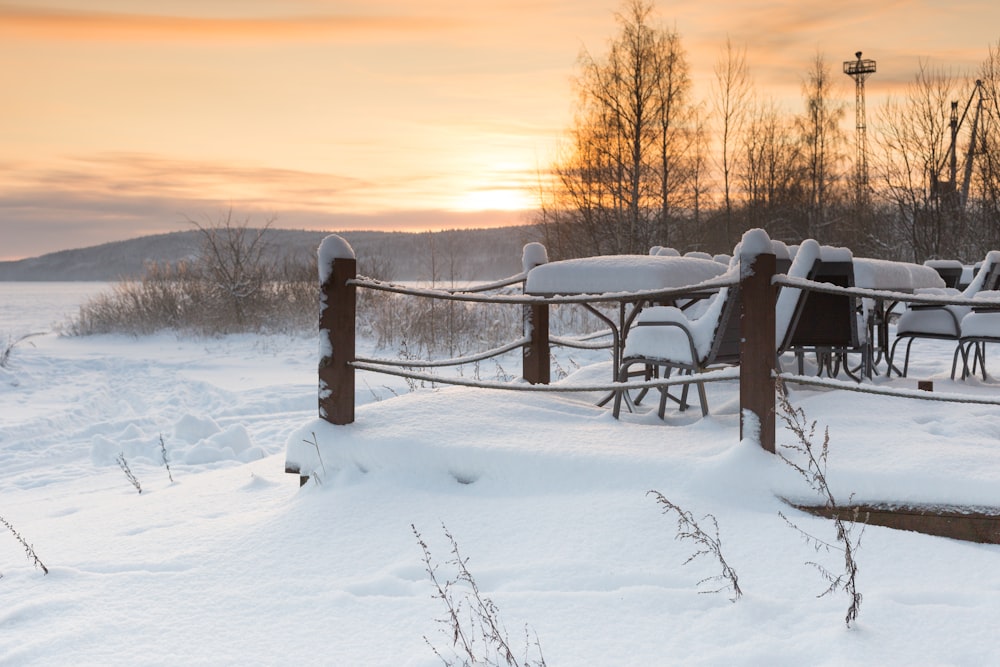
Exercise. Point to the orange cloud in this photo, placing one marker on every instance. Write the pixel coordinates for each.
(105, 26)
(140, 177)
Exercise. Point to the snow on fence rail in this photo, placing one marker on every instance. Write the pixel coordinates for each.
(756, 373)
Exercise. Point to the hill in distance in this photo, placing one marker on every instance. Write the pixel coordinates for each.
(463, 254)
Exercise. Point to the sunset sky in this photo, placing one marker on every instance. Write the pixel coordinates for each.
(126, 117)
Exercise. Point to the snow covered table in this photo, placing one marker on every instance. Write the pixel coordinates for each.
(618, 276)
(881, 274)
(894, 276)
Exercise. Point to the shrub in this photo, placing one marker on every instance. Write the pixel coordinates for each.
(706, 544)
(8, 348)
(810, 462)
(133, 480)
(233, 286)
(28, 549)
(471, 622)
(238, 284)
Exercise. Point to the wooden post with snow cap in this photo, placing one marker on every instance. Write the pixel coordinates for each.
(757, 338)
(535, 367)
(337, 313)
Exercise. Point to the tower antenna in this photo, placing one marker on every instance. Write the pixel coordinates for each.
(859, 70)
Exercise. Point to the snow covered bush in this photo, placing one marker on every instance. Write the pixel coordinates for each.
(235, 285)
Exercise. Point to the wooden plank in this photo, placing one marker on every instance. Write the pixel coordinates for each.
(972, 525)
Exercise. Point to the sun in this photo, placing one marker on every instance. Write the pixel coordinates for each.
(494, 199)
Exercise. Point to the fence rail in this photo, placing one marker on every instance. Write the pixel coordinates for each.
(530, 299)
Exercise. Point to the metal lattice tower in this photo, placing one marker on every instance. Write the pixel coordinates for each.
(859, 70)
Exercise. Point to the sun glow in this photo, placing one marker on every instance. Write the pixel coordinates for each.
(494, 199)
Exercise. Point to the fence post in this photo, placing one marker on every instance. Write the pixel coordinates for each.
(535, 355)
(337, 314)
(535, 366)
(757, 342)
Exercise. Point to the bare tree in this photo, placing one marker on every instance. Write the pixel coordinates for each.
(822, 143)
(732, 94)
(235, 262)
(615, 186)
(984, 232)
(770, 174)
(912, 142)
(675, 117)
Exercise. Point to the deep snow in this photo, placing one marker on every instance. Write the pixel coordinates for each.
(546, 495)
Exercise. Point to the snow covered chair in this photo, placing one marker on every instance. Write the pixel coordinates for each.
(978, 327)
(950, 271)
(832, 326)
(943, 322)
(791, 300)
(782, 258)
(664, 339)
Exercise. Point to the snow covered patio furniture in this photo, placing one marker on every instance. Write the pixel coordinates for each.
(663, 337)
(942, 322)
(790, 300)
(628, 279)
(979, 327)
(832, 326)
(950, 271)
(890, 276)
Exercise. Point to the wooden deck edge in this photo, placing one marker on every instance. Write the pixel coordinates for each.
(979, 524)
(294, 470)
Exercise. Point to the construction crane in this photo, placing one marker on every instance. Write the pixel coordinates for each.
(950, 191)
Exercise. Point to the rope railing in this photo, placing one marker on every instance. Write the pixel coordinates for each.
(486, 287)
(876, 294)
(581, 343)
(455, 361)
(540, 299)
(404, 367)
(721, 375)
(897, 392)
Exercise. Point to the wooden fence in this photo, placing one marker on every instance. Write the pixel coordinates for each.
(338, 362)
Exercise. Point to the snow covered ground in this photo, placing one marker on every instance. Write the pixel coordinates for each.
(546, 495)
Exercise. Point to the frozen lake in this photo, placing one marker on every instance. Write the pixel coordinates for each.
(30, 307)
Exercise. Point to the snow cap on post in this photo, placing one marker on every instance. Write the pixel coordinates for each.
(533, 255)
(754, 242)
(331, 248)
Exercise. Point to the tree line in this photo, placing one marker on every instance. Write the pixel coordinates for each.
(644, 163)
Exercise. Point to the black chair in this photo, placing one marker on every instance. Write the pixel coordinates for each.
(832, 326)
(949, 270)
